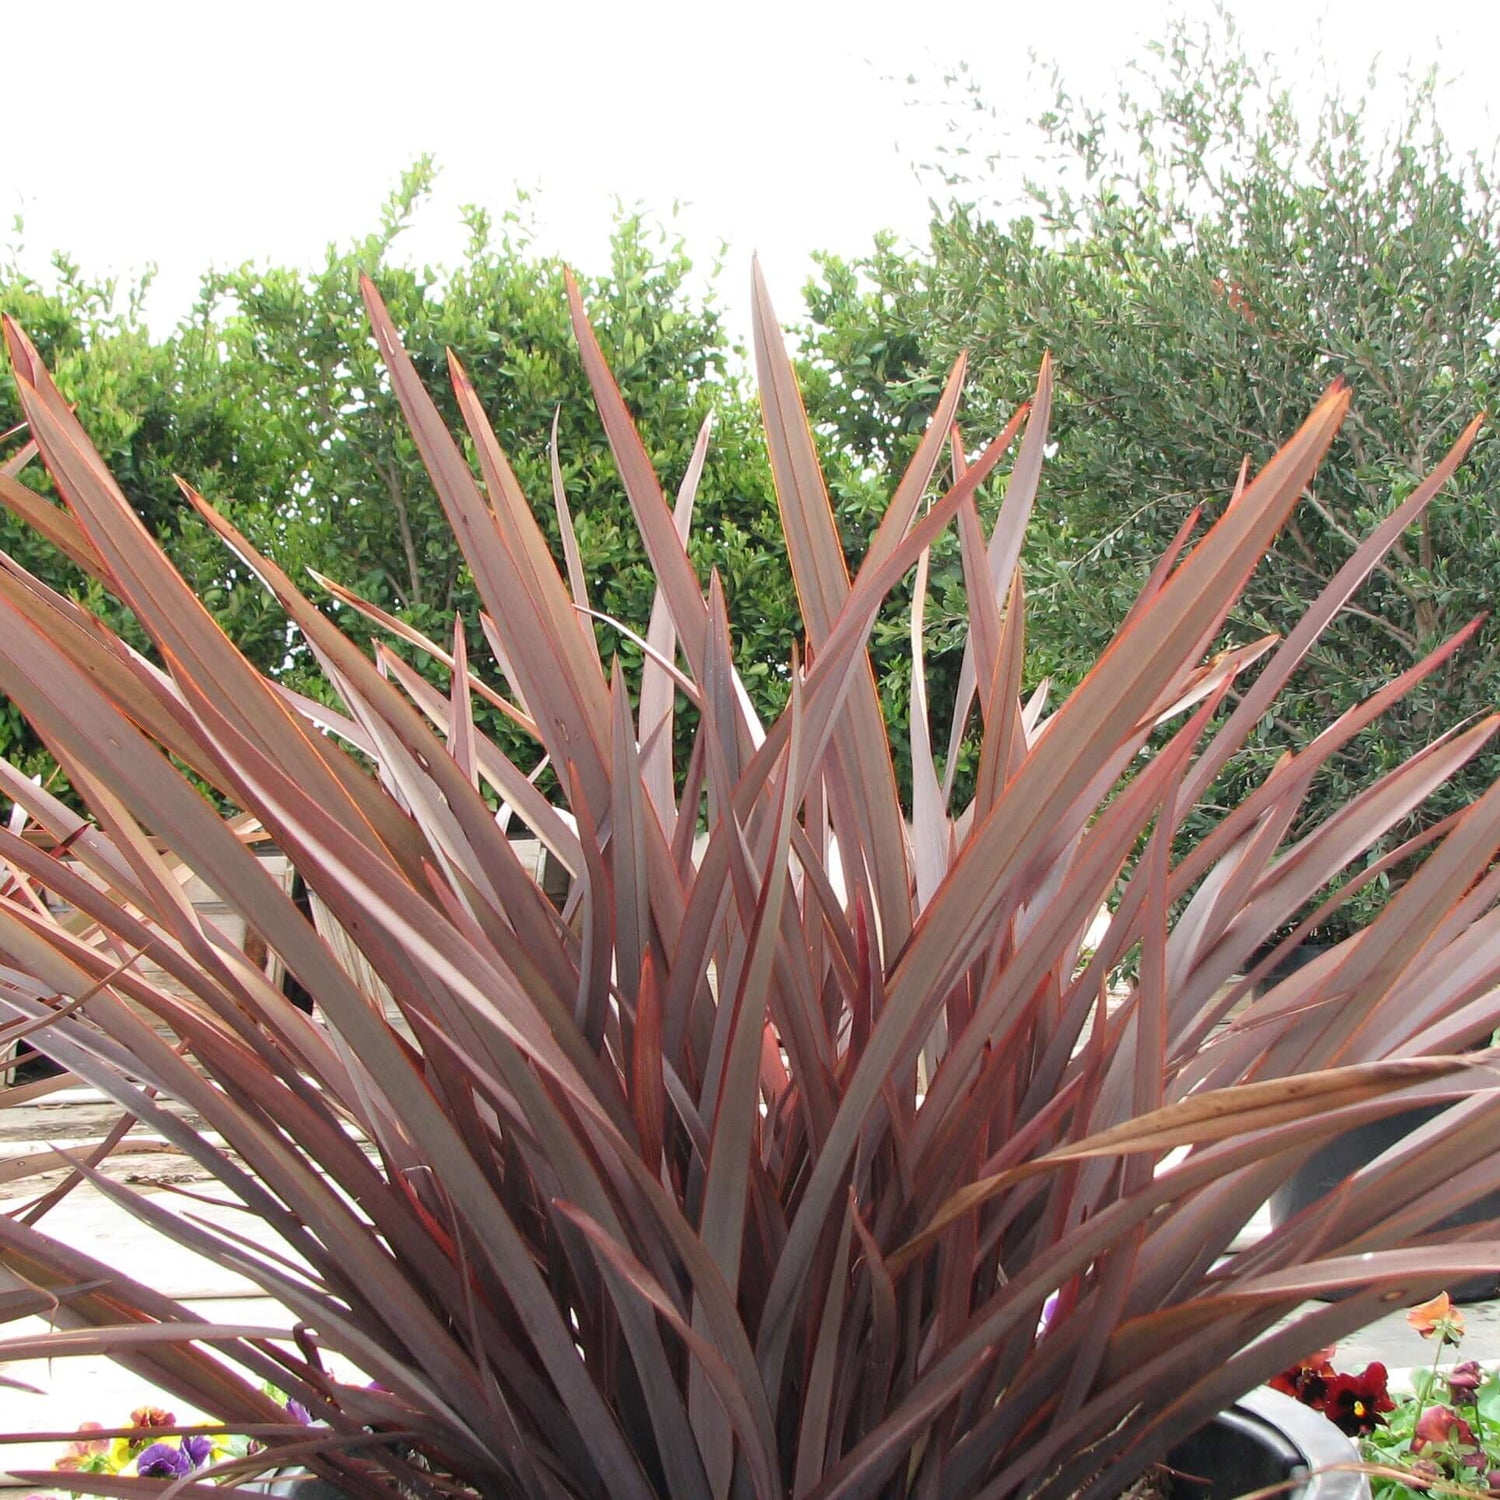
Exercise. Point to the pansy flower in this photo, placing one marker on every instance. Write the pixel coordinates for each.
(199, 1447)
(163, 1461)
(1307, 1380)
(86, 1455)
(145, 1420)
(148, 1417)
(1442, 1427)
(1356, 1403)
(174, 1460)
(1438, 1319)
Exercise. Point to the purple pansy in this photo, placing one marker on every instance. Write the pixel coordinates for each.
(163, 1461)
(199, 1448)
(173, 1460)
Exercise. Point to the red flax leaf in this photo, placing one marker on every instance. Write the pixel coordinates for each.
(1020, 1298)
(879, 1366)
(1133, 674)
(365, 1336)
(735, 1121)
(1091, 872)
(831, 675)
(743, 1402)
(1284, 886)
(596, 919)
(634, 831)
(1322, 610)
(1002, 753)
(388, 915)
(1387, 948)
(124, 1487)
(54, 523)
(1147, 1077)
(145, 580)
(17, 462)
(827, 682)
(405, 743)
(1206, 1332)
(418, 1111)
(414, 637)
(1200, 1118)
(568, 670)
(1005, 541)
(186, 1372)
(813, 1433)
(647, 1088)
(141, 689)
(524, 547)
(558, 677)
(1162, 570)
(577, 583)
(822, 581)
(515, 786)
(661, 640)
(930, 828)
(1288, 773)
(677, 584)
(59, 1342)
(461, 721)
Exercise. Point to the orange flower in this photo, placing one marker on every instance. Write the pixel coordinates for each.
(152, 1416)
(145, 1420)
(1438, 1319)
(85, 1455)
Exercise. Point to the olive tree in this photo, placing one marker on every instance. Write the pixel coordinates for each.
(1203, 258)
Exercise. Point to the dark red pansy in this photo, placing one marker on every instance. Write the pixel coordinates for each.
(1355, 1403)
(1307, 1380)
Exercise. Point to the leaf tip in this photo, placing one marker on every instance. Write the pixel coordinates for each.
(23, 356)
(760, 293)
(463, 383)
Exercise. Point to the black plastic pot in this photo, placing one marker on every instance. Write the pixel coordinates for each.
(1346, 1154)
(1266, 1438)
(30, 1066)
(297, 1484)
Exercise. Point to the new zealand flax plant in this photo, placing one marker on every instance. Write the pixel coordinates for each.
(812, 1157)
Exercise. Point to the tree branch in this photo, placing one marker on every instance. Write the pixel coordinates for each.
(392, 479)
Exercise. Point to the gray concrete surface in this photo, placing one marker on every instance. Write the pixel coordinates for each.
(93, 1388)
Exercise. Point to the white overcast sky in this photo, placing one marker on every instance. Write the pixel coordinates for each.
(212, 132)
